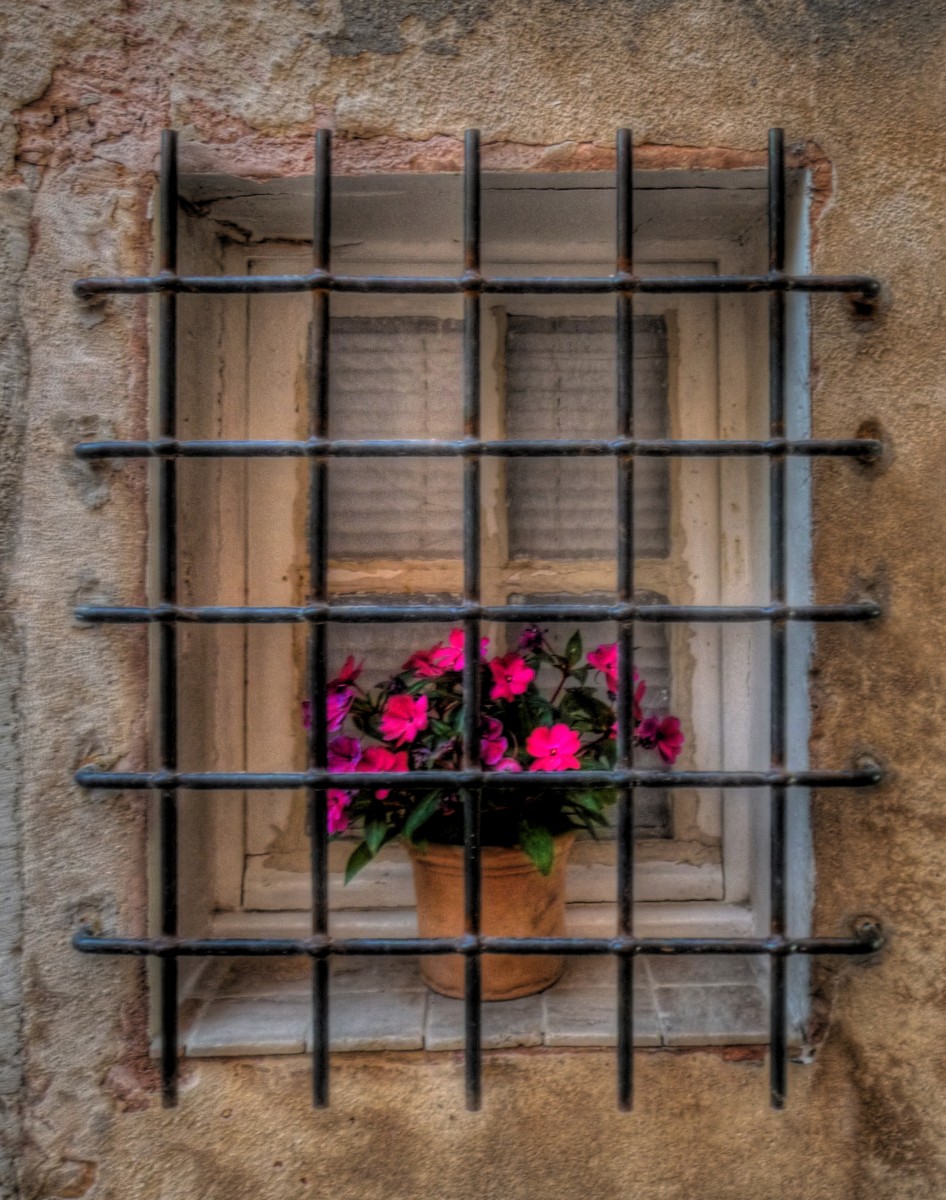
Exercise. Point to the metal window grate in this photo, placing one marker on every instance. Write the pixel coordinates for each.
(167, 781)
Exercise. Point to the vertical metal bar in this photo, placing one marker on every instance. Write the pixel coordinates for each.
(777, 575)
(167, 633)
(624, 325)
(317, 655)
(471, 625)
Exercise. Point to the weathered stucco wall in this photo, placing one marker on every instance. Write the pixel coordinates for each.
(85, 89)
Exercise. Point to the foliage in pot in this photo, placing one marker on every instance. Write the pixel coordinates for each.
(414, 719)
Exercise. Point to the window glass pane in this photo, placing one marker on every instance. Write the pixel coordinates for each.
(384, 648)
(560, 383)
(395, 377)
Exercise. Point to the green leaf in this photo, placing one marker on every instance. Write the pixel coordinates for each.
(587, 801)
(359, 857)
(539, 845)
(536, 710)
(421, 815)
(587, 824)
(376, 833)
(573, 649)
(587, 807)
(580, 709)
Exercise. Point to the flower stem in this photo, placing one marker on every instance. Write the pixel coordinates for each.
(558, 690)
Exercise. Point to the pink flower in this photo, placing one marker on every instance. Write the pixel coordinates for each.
(343, 754)
(508, 764)
(337, 816)
(605, 660)
(451, 656)
(492, 745)
(531, 638)
(554, 748)
(341, 693)
(380, 758)
(403, 718)
(665, 734)
(337, 705)
(349, 673)
(511, 677)
(424, 663)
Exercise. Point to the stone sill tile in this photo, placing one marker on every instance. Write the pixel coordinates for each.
(262, 1007)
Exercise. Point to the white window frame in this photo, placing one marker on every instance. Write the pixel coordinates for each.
(714, 355)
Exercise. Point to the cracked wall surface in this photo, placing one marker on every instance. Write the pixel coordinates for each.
(85, 90)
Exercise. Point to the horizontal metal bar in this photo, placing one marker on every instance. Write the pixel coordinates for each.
(355, 614)
(318, 946)
(167, 282)
(864, 449)
(90, 777)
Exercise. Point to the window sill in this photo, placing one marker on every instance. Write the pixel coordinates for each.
(263, 1007)
(663, 872)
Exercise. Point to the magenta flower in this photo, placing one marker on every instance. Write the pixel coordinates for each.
(343, 754)
(349, 673)
(403, 718)
(554, 748)
(531, 639)
(492, 745)
(511, 677)
(508, 764)
(337, 820)
(663, 733)
(605, 660)
(341, 693)
(380, 758)
(337, 705)
(425, 664)
(451, 656)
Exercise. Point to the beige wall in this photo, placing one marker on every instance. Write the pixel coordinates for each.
(85, 89)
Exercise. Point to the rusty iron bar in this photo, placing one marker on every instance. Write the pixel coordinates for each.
(357, 614)
(865, 775)
(775, 281)
(624, 704)
(165, 663)
(861, 449)
(317, 645)
(869, 941)
(471, 795)
(778, 662)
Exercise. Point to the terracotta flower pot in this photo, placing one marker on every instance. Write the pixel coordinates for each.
(517, 901)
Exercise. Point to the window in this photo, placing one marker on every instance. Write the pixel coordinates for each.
(703, 535)
(548, 370)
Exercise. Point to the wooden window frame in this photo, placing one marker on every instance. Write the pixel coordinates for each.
(708, 875)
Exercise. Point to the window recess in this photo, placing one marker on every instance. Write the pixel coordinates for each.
(412, 385)
(707, 452)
